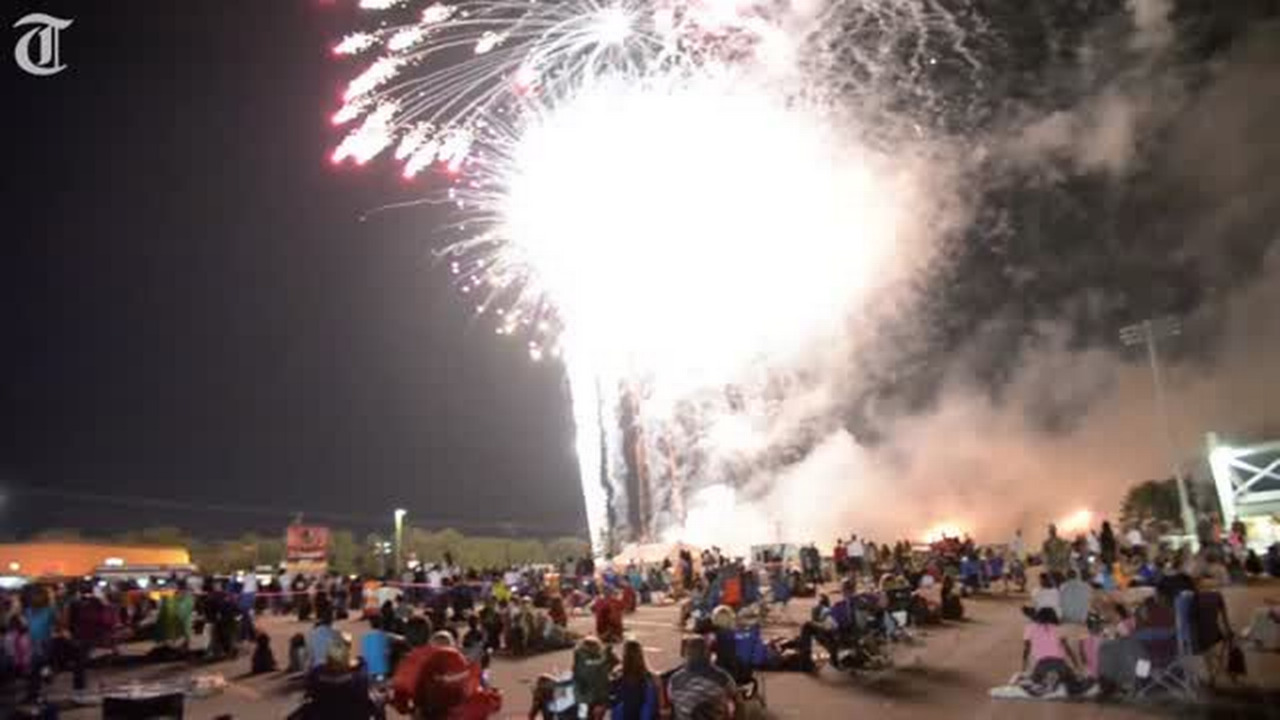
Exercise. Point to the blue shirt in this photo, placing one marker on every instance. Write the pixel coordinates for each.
(375, 648)
(39, 624)
(842, 614)
(318, 642)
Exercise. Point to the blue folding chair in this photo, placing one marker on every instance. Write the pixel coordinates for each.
(1178, 674)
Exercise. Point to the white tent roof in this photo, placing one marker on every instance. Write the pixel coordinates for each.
(652, 553)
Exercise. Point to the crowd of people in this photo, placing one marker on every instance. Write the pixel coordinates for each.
(433, 630)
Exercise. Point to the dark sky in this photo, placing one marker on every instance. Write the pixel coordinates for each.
(193, 315)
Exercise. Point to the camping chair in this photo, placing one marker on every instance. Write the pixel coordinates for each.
(150, 708)
(1173, 672)
(751, 653)
(739, 653)
(559, 702)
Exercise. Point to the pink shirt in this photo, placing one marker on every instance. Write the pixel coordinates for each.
(1090, 645)
(1044, 642)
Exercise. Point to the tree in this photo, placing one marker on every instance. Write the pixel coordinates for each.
(344, 552)
(163, 535)
(59, 535)
(372, 560)
(567, 547)
(1153, 500)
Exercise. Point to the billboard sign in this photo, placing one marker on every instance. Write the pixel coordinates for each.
(306, 548)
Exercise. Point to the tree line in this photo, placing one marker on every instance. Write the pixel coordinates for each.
(348, 554)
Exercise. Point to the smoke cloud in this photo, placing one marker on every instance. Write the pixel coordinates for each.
(991, 392)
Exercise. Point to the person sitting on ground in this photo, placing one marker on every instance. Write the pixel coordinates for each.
(436, 682)
(1252, 563)
(375, 649)
(1074, 597)
(418, 631)
(1091, 645)
(318, 641)
(551, 636)
(556, 611)
(387, 615)
(593, 662)
(491, 623)
(952, 606)
(473, 642)
(299, 658)
(1046, 656)
(699, 690)
(1144, 574)
(1046, 597)
(1263, 632)
(337, 689)
(264, 661)
(637, 690)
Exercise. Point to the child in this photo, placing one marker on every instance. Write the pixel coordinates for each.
(1046, 656)
(1090, 645)
(299, 660)
(375, 648)
(264, 661)
(473, 641)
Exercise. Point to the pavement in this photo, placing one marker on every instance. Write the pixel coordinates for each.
(945, 675)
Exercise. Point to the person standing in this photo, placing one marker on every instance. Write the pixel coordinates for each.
(1057, 553)
(857, 556)
(40, 621)
(841, 557)
(1107, 544)
(84, 623)
(1018, 547)
(1137, 544)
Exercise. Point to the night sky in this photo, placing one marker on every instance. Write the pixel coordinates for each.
(197, 328)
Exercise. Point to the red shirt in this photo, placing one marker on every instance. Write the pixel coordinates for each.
(438, 678)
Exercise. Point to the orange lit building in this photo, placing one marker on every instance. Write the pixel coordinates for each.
(72, 559)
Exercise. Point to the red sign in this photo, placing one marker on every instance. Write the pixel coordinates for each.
(306, 544)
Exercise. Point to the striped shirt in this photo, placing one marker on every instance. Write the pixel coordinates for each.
(699, 693)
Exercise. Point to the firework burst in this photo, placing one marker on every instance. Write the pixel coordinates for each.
(648, 189)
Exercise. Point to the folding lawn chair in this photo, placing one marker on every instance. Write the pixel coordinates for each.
(1172, 672)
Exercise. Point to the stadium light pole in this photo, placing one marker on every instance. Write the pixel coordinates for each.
(400, 513)
(1149, 332)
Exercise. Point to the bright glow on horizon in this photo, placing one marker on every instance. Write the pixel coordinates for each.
(949, 529)
(1080, 521)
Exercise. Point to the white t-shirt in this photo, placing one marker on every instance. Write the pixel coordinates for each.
(434, 579)
(1048, 598)
(387, 593)
(1134, 537)
(1095, 545)
(856, 549)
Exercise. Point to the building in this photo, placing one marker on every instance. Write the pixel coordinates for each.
(1247, 478)
(74, 559)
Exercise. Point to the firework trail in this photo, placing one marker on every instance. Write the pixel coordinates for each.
(665, 194)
